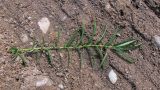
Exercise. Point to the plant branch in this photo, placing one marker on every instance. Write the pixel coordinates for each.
(56, 48)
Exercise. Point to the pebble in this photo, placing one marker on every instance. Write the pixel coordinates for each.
(24, 38)
(112, 76)
(44, 24)
(157, 40)
(61, 86)
(31, 43)
(64, 18)
(107, 6)
(61, 55)
(59, 74)
(43, 81)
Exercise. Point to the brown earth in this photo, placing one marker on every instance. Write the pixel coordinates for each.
(140, 19)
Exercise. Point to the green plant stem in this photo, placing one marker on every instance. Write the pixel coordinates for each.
(55, 48)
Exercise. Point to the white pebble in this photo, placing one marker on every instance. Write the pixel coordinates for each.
(112, 77)
(107, 6)
(44, 24)
(31, 43)
(61, 86)
(64, 18)
(24, 38)
(61, 55)
(29, 18)
(43, 82)
(157, 40)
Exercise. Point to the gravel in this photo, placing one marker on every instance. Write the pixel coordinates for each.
(157, 40)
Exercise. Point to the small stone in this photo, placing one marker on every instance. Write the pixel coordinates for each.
(107, 6)
(59, 74)
(29, 18)
(31, 43)
(61, 55)
(17, 59)
(1, 36)
(44, 24)
(24, 38)
(112, 77)
(118, 34)
(61, 86)
(43, 81)
(64, 18)
(157, 40)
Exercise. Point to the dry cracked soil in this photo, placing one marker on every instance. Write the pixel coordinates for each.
(140, 20)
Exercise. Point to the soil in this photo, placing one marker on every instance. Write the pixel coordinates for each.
(140, 19)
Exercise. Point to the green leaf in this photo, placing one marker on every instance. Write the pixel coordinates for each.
(37, 56)
(113, 37)
(130, 47)
(94, 27)
(72, 39)
(123, 44)
(91, 58)
(80, 57)
(58, 37)
(124, 56)
(99, 52)
(13, 50)
(103, 62)
(90, 37)
(49, 57)
(23, 59)
(82, 31)
(102, 36)
(69, 58)
(126, 45)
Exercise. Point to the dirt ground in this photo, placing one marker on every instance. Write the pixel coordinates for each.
(140, 19)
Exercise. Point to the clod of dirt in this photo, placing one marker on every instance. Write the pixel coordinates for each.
(44, 24)
(157, 40)
(112, 77)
